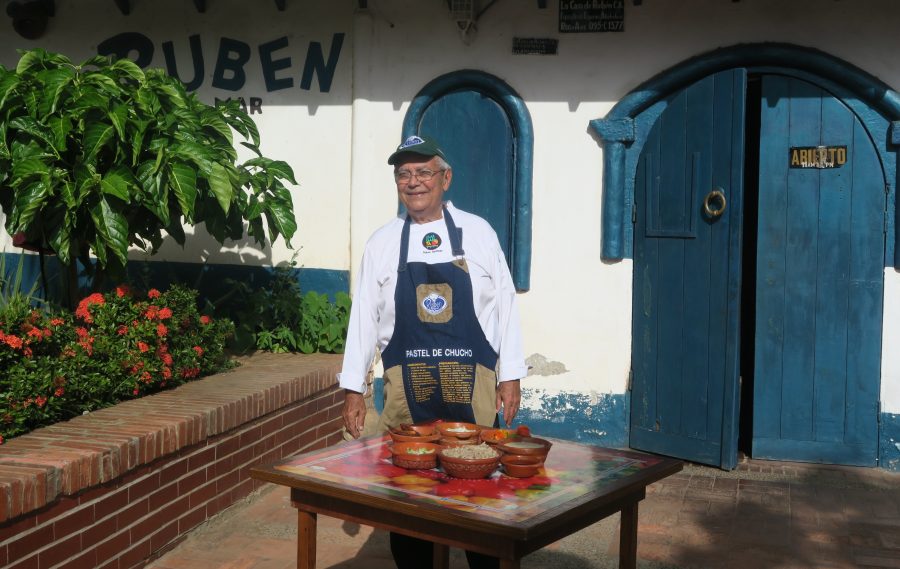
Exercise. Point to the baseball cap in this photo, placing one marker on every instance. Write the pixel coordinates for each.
(416, 144)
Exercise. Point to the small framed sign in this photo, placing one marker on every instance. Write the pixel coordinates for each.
(584, 16)
(819, 157)
(535, 46)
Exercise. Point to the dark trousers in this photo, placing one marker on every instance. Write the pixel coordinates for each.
(413, 553)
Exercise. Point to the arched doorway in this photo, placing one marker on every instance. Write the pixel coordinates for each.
(758, 270)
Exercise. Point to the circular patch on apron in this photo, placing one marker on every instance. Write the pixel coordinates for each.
(431, 241)
(434, 303)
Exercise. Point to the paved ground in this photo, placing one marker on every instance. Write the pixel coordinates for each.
(761, 515)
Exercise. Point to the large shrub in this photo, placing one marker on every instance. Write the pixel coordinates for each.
(101, 156)
(116, 346)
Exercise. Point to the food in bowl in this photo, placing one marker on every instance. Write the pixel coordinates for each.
(414, 434)
(496, 436)
(415, 456)
(459, 430)
(527, 446)
(469, 461)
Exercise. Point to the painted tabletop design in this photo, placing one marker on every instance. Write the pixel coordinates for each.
(571, 470)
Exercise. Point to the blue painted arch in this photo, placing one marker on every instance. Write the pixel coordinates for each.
(520, 120)
(625, 127)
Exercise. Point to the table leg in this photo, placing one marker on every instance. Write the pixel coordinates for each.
(628, 537)
(441, 559)
(306, 539)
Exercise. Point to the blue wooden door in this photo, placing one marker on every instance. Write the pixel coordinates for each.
(687, 275)
(477, 137)
(819, 280)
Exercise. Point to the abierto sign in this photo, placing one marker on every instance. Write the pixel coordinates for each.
(819, 157)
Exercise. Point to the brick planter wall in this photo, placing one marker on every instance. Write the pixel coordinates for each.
(117, 487)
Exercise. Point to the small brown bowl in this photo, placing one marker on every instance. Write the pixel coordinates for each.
(458, 430)
(423, 434)
(448, 443)
(404, 455)
(531, 446)
(471, 468)
(521, 466)
(497, 436)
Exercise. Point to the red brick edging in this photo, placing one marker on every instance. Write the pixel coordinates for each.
(115, 488)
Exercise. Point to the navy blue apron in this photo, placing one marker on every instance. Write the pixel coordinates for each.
(437, 339)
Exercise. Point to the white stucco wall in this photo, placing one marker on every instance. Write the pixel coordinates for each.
(578, 311)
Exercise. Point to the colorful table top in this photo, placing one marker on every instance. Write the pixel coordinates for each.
(571, 470)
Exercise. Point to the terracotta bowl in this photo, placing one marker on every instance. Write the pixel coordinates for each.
(423, 434)
(457, 442)
(458, 430)
(497, 436)
(404, 455)
(468, 467)
(521, 466)
(531, 446)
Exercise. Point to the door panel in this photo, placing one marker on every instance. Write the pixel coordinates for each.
(819, 283)
(686, 275)
(477, 137)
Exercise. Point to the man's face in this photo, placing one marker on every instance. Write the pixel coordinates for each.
(423, 198)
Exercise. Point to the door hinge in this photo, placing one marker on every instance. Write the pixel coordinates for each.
(630, 380)
(633, 213)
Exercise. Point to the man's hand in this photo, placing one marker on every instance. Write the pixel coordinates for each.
(354, 412)
(508, 397)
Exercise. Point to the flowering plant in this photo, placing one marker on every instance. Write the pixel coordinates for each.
(116, 346)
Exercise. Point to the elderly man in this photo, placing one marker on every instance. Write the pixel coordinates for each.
(435, 296)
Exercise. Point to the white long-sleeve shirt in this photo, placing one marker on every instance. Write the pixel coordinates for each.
(372, 315)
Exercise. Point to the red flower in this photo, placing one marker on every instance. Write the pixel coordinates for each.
(146, 376)
(84, 307)
(164, 313)
(152, 312)
(166, 358)
(27, 352)
(36, 333)
(59, 392)
(40, 400)
(135, 392)
(205, 319)
(153, 293)
(13, 342)
(166, 373)
(161, 330)
(199, 350)
(122, 330)
(143, 347)
(81, 331)
(56, 321)
(122, 291)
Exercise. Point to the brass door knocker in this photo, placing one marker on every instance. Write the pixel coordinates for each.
(714, 203)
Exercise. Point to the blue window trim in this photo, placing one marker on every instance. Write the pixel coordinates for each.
(520, 119)
(624, 129)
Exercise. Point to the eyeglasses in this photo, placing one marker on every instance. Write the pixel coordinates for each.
(404, 176)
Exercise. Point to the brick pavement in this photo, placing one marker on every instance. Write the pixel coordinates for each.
(761, 515)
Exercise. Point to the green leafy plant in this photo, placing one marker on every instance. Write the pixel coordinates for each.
(322, 327)
(12, 291)
(116, 346)
(101, 156)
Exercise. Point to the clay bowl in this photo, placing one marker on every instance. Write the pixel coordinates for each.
(521, 466)
(423, 434)
(458, 430)
(497, 436)
(530, 446)
(457, 442)
(404, 455)
(472, 468)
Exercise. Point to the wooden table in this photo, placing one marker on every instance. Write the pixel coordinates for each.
(500, 516)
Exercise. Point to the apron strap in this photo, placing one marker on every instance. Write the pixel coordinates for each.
(454, 233)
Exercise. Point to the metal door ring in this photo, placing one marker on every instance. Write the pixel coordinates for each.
(714, 203)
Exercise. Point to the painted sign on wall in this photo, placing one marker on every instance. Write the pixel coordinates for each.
(818, 156)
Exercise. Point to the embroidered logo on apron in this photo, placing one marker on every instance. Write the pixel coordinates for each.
(431, 241)
(434, 304)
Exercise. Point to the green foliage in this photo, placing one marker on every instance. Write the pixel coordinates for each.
(97, 157)
(116, 346)
(278, 318)
(322, 327)
(11, 289)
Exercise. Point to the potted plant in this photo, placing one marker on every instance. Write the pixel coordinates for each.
(99, 157)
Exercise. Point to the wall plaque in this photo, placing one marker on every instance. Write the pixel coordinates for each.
(581, 16)
(817, 156)
(535, 46)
